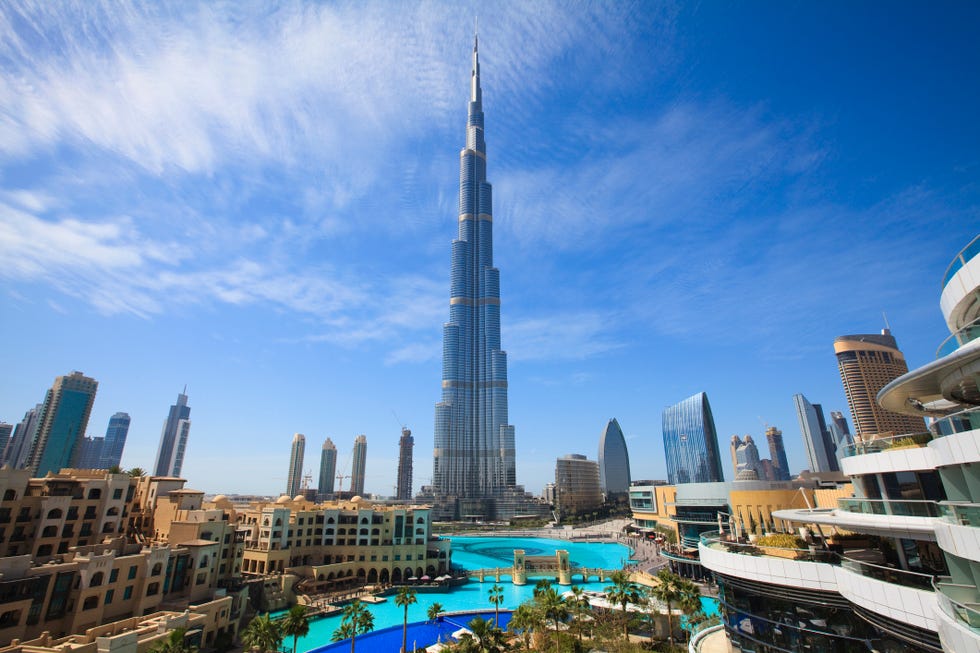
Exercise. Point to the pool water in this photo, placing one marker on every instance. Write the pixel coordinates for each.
(476, 553)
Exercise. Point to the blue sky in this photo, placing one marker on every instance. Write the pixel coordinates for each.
(258, 202)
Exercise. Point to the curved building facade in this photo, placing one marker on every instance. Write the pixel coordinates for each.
(691, 442)
(614, 460)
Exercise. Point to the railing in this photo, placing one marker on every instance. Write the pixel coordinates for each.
(897, 508)
(967, 253)
(891, 575)
(964, 514)
(961, 602)
(966, 333)
(971, 417)
(877, 445)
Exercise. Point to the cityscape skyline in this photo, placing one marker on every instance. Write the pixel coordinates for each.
(738, 181)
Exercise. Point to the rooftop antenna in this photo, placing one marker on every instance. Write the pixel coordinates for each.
(885, 318)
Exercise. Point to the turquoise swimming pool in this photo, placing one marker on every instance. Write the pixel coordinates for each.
(480, 553)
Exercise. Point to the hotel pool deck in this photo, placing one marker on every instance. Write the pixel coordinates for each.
(469, 553)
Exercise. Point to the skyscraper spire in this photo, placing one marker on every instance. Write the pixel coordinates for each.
(476, 95)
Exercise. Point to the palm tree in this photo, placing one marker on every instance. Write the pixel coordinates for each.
(541, 586)
(262, 632)
(137, 472)
(622, 592)
(357, 620)
(668, 590)
(554, 608)
(486, 637)
(174, 643)
(404, 598)
(579, 606)
(496, 598)
(433, 612)
(296, 624)
(524, 621)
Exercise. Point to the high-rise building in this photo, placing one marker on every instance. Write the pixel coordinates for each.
(89, 453)
(21, 442)
(115, 441)
(614, 461)
(747, 462)
(691, 442)
(735, 444)
(358, 465)
(6, 430)
(328, 468)
(821, 453)
(173, 439)
(777, 454)
(868, 362)
(838, 429)
(294, 480)
(577, 484)
(61, 427)
(403, 489)
(474, 468)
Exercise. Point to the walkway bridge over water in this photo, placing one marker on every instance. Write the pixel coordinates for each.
(526, 566)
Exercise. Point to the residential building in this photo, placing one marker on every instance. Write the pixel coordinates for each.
(896, 565)
(22, 440)
(62, 423)
(614, 461)
(867, 363)
(577, 484)
(358, 465)
(6, 431)
(821, 453)
(474, 468)
(691, 442)
(115, 441)
(294, 478)
(328, 469)
(777, 454)
(403, 487)
(173, 439)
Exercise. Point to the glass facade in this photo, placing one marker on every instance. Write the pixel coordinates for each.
(820, 449)
(61, 428)
(474, 455)
(691, 442)
(328, 467)
(115, 440)
(173, 440)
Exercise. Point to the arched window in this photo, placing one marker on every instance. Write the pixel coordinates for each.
(55, 513)
(10, 495)
(90, 603)
(419, 521)
(95, 493)
(331, 521)
(96, 579)
(112, 512)
(204, 563)
(364, 520)
(49, 531)
(157, 569)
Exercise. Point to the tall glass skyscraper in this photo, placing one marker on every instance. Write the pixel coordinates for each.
(62, 424)
(358, 465)
(173, 439)
(115, 440)
(821, 452)
(473, 457)
(403, 488)
(328, 468)
(614, 460)
(294, 478)
(691, 442)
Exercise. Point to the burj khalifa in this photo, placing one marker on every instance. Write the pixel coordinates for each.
(474, 456)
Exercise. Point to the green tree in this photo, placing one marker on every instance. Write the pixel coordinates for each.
(115, 469)
(622, 592)
(175, 643)
(137, 472)
(668, 590)
(553, 606)
(496, 598)
(543, 585)
(262, 632)
(296, 624)
(404, 598)
(578, 605)
(357, 620)
(434, 611)
(483, 637)
(525, 620)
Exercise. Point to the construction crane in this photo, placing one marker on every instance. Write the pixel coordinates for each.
(341, 477)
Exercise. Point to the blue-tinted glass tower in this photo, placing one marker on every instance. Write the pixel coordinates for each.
(61, 427)
(115, 440)
(173, 439)
(473, 457)
(691, 442)
(614, 460)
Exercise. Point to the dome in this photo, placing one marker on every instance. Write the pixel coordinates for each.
(299, 497)
(357, 499)
(283, 499)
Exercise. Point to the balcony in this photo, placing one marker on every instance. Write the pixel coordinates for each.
(959, 602)
(877, 445)
(962, 336)
(962, 514)
(896, 508)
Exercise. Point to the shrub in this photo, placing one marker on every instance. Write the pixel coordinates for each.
(782, 541)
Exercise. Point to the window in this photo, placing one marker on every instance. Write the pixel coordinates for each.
(153, 589)
(108, 596)
(43, 550)
(157, 568)
(132, 572)
(128, 593)
(113, 575)
(97, 578)
(90, 603)
(117, 493)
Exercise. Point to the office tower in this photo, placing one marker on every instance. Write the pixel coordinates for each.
(691, 442)
(328, 468)
(577, 484)
(735, 444)
(21, 442)
(173, 439)
(89, 453)
(821, 454)
(294, 480)
(839, 431)
(473, 458)
(747, 467)
(358, 465)
(61, 427)
(867, 363)
(403, 490)
(614, 460)
(777, 454)
(6, 430)
(115, 440)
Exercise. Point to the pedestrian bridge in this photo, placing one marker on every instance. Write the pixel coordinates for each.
(556, 566)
